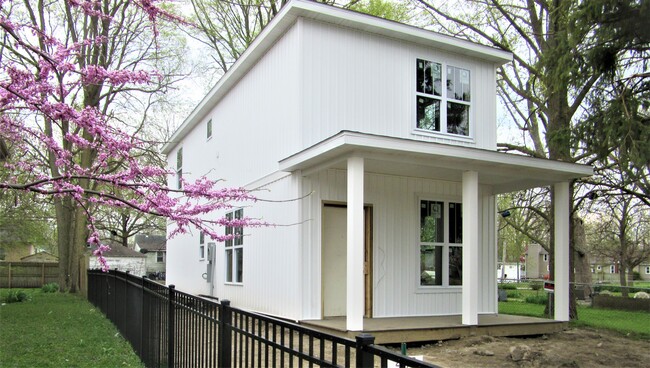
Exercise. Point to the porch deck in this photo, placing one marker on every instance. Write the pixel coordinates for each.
(419, 329)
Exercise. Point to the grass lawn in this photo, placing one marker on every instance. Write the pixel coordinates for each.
(59, 330)
(633, 323)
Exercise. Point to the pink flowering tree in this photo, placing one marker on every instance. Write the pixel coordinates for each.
(67, 69)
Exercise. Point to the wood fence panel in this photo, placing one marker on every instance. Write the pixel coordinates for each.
(27, 274)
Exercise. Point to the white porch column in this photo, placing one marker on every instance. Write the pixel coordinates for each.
(562, 219)
(355, 289)
(470, 248)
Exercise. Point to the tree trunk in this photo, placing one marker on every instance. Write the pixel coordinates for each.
(582, 265)
(72, 233)
(621, 277)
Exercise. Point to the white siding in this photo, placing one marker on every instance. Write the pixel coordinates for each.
(271, 280)
(363, 82)
(253, 127)
(395, 206)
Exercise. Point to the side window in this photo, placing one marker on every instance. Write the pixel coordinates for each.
(234, 249)
(179, 168)
(209, 129)
(441, 109)
(201, 245)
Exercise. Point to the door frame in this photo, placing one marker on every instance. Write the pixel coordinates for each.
(367, 255)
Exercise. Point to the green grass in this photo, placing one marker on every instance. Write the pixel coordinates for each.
(59, 330)
(634, 324)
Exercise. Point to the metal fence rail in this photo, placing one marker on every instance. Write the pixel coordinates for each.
(169, 328)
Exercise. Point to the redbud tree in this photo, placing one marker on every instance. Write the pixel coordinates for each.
(68, 69)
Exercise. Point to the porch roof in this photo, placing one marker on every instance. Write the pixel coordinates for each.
(504, 172)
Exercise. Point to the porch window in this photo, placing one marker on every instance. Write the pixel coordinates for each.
(441, 109)
(441, 238)
(235, 249)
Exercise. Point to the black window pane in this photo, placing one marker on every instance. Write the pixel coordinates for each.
(239, 231)
(228, 265)
(229, 230)
(428, 113)
(455, 223)
(239, 257)
(455, 266)
(457, 118)
(429, 77)
(431, 222)
(430, 265)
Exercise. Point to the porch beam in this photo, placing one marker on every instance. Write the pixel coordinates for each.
(561, 271)
(470, 248)
(355, 288)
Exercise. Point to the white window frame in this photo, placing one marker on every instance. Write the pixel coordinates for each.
(444, 99)
(208, 130)
(612, 269)
(599, 268)
(545, 257)
(446, 245)
(647, 270)
(232, 246)
(160, 257)
(201, 246)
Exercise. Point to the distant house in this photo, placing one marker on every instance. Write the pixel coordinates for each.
(511, 271)
(121, 258)
(644, 270)
(155, 249)
(16, 253)
(537, 262)
(40, 257)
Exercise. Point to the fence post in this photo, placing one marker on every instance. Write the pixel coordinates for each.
(225, 338)
(364, 358)
(170, 327)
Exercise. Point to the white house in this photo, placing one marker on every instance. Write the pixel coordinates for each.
(386, 136)
(154, 247)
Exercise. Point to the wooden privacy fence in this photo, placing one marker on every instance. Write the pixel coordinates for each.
(27, 274)
(169, 328)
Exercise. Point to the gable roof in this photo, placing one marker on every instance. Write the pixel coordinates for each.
(288, 16)
(151, 243)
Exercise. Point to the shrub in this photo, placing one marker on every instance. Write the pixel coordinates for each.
(514, 294)
(636, 275)
(641, 295)
(536, 285)
(537, 299)
(16, 296)
(52, 287)
(507, 286)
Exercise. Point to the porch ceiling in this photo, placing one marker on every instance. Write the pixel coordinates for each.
(504, 172)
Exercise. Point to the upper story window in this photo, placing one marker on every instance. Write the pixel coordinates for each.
(209, 129)
(179, 168)
(441, 241)
(160, 257)
(235, 249)
(441, 109)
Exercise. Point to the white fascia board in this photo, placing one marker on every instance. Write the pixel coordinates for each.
(347, 141)
(330, 14)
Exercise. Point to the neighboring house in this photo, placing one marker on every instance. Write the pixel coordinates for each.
(537, 262)
(511, 271)
(644, 271)
(41, 257)
(388, 134)
(155, 248)
(16, 253)
(121, 258)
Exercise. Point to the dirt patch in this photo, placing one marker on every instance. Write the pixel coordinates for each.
(571, 348)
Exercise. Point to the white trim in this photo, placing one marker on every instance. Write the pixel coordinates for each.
(562, 218)
(355, 294)
(470, 184)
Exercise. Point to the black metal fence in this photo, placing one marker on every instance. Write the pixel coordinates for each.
(169, 328)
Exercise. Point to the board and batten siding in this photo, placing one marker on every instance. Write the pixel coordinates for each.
(395, 204)
(358, 81)
(253, 127)
(272, 266)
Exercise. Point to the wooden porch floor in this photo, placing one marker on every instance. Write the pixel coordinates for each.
(420, 329)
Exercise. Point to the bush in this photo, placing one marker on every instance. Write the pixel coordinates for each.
(52, 287)
(636, 275)
(514, 294)
(537, 299)
(536, 285)
(507, 286)
(16, 296)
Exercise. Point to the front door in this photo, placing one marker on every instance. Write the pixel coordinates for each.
(334, 260)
